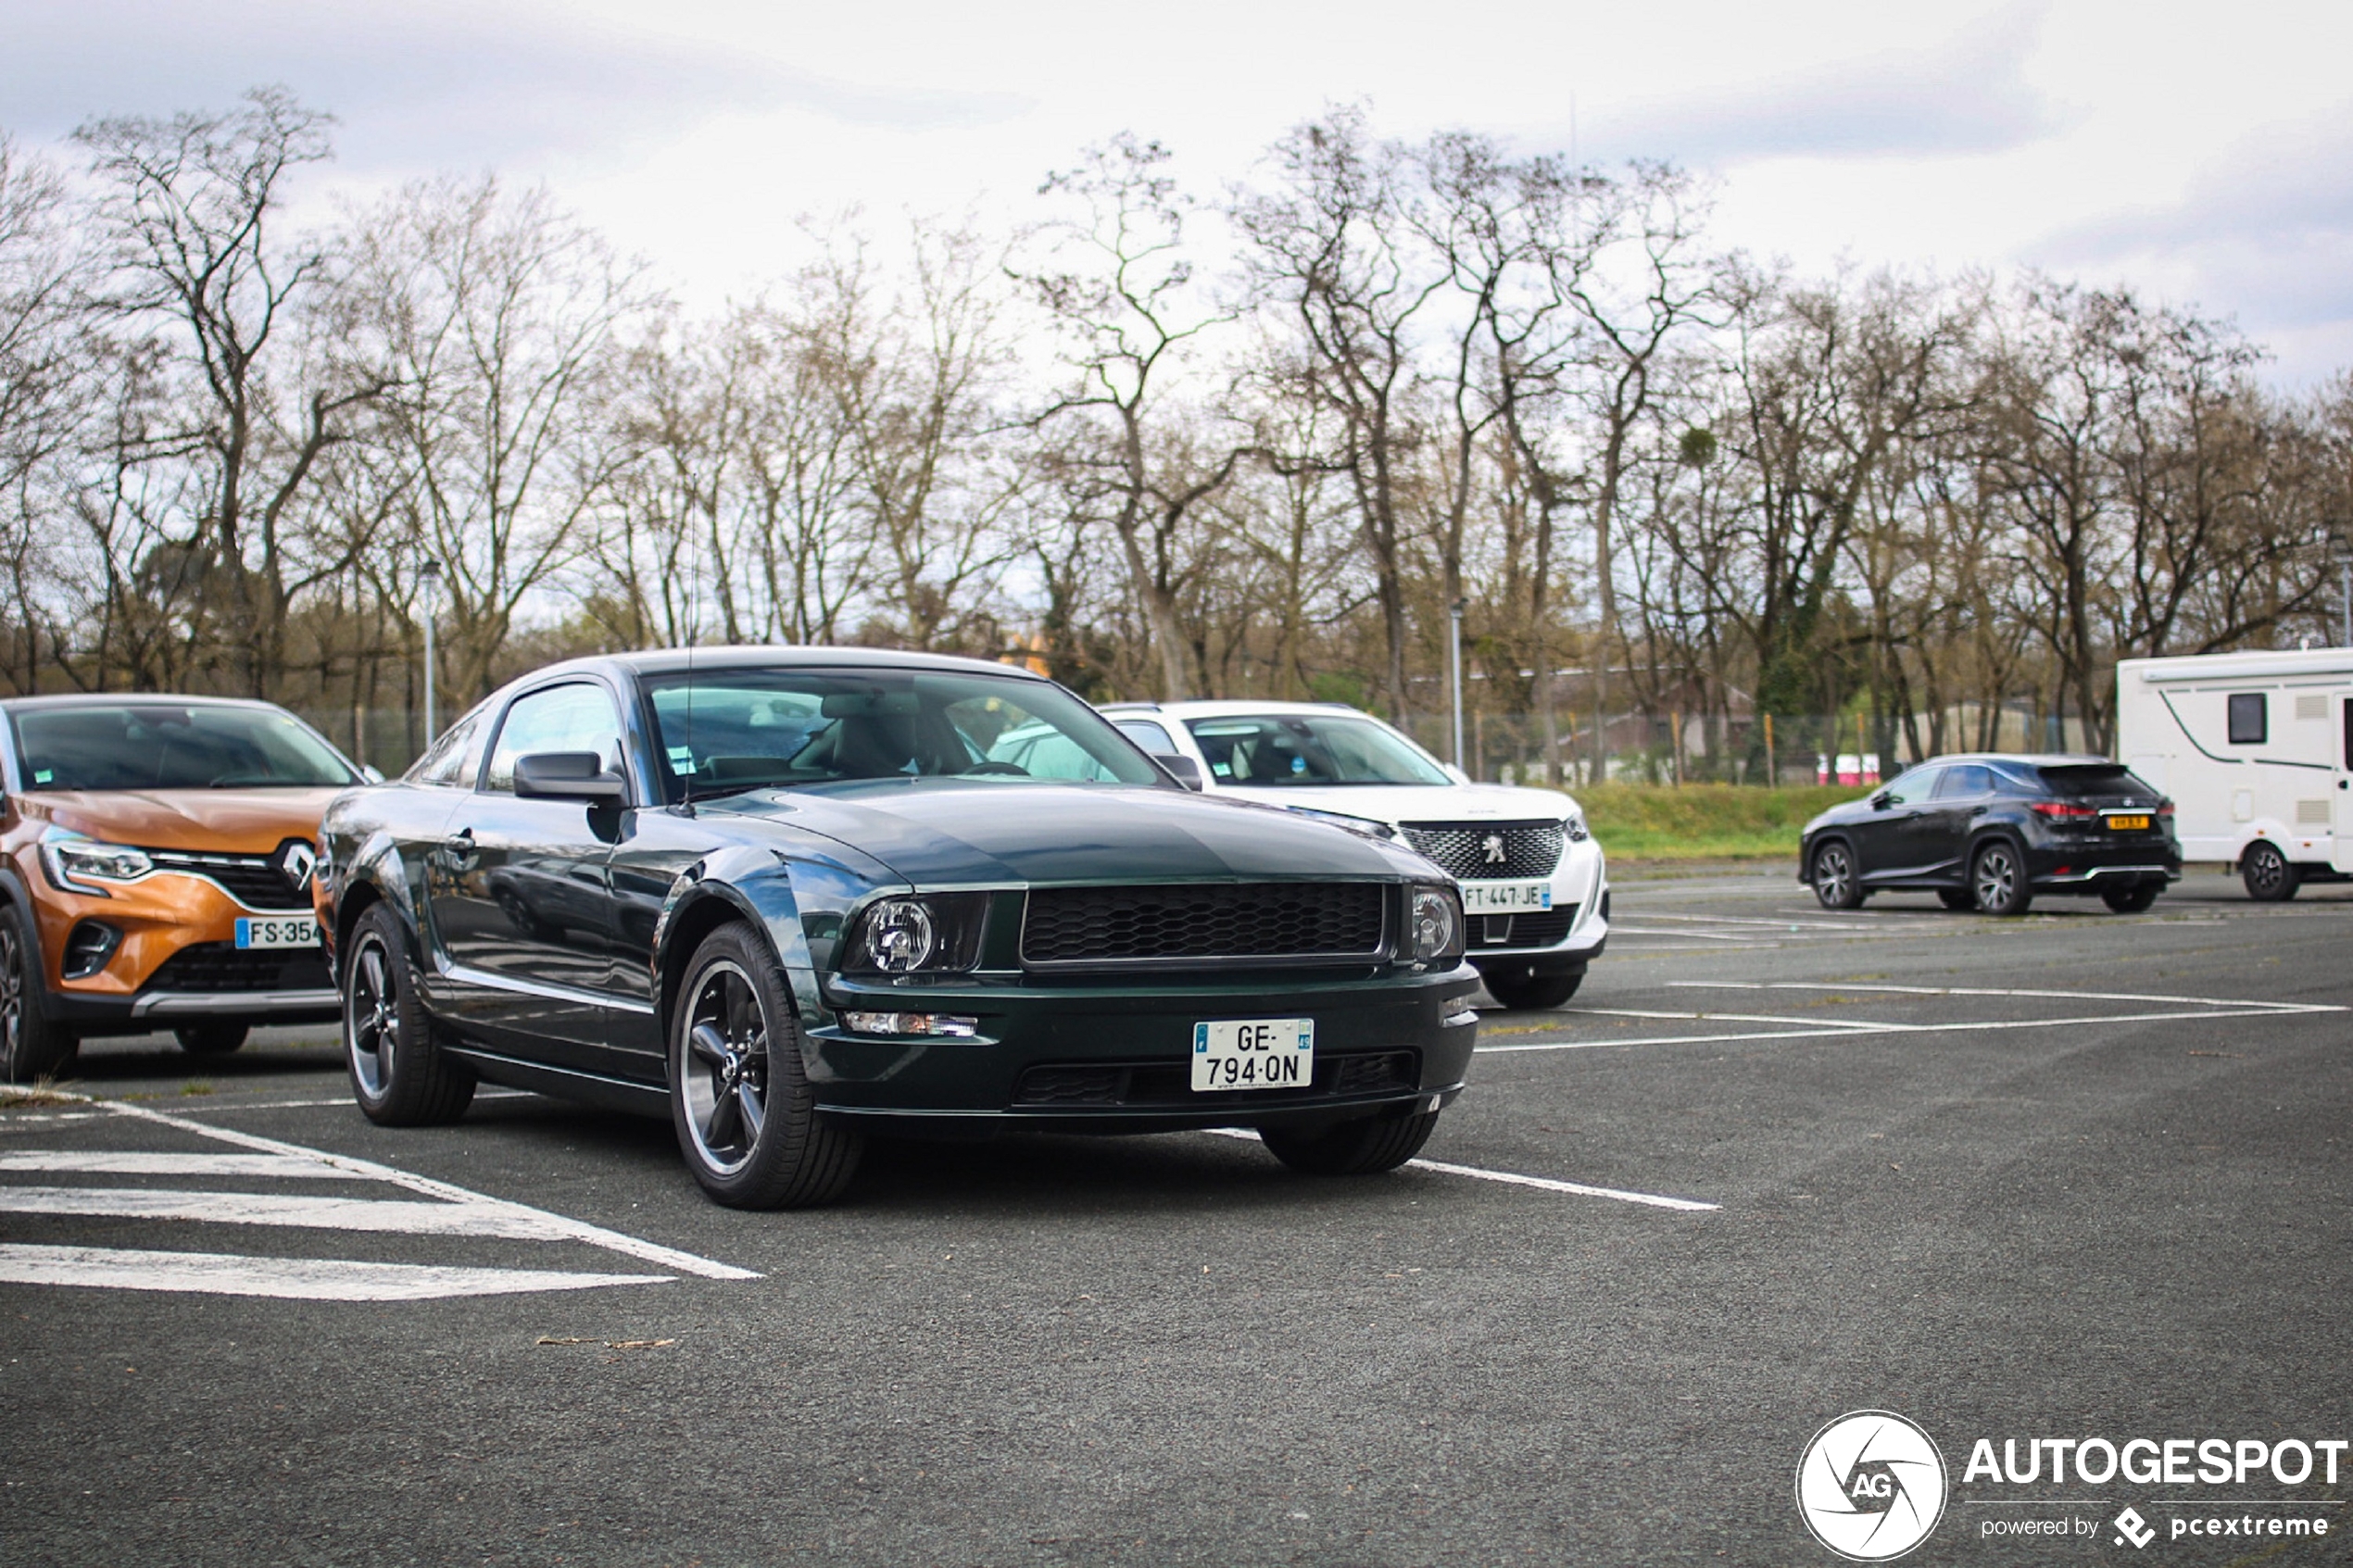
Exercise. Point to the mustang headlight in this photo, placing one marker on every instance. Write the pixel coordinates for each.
(1435, 929)
(74, 862)
(933, 934)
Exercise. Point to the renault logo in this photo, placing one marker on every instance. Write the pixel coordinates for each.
(296, 860)
(1494, 849)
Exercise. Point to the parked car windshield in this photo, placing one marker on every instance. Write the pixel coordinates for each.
(1311, 749)
(730, 729)
(2096, 781)
(167, 746)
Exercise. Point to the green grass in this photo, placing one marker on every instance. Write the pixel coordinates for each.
(1703, 821)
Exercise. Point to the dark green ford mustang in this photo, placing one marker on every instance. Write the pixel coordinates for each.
(781, 895)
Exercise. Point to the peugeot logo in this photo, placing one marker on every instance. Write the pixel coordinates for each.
(296, 860)
(1494, 849)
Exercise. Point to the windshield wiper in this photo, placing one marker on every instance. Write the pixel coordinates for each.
(714, 792)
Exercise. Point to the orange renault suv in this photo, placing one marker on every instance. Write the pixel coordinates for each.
(154, 873)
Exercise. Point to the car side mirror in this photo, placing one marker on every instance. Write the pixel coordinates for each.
(1884, 799)
(1455, 773)
(371, 772)
(569, 775)
(1183, 770)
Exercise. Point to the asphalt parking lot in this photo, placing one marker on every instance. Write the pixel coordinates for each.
(2077, 1174)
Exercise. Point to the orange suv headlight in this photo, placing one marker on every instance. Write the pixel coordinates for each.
(76, 864)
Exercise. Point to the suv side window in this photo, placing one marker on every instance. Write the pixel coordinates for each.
(1915, 787)
(1964, 782)
(2011, 786)
(576, 716)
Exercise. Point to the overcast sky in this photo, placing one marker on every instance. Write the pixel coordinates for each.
(2202, 153)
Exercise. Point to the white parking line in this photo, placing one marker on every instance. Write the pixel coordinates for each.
(302, 1279)
(139, 1162)
(557, 1226)
(1512, 1178)
(281, 1208)
(2192, 1008)
(1989, 991)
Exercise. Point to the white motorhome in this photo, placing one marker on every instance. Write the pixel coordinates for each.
(2256, 751)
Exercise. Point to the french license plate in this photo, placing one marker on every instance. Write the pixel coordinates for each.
(286, 931)
(1255, 1053)
(2128, 824)
(1506, 897)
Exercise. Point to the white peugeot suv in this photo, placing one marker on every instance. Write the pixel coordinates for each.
(1534, 883)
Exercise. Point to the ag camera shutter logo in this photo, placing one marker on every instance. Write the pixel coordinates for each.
(1871, 1485)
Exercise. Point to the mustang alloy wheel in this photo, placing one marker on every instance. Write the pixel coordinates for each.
(744, 1111)
(1999, 881)
(1836, 887)
(398, 1074)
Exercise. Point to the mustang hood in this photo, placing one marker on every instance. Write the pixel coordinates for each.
(936, 832)
(249, 821)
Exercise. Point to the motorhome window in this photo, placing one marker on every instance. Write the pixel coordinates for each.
(2250, 724)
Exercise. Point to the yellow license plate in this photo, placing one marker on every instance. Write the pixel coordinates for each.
(2128, 824)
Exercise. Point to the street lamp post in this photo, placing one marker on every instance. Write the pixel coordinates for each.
(429, 579)
(1454, 657)
(2341, 551)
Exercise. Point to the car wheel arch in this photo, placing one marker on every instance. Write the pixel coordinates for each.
(699, 911)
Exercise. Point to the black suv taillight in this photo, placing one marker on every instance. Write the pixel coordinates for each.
(88, 947)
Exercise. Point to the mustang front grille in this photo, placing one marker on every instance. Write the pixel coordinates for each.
(1277, 919)
(1489, 852)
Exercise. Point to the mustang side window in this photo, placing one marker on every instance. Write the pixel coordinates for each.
(577, 716)
(454, 757)
(2250, 723)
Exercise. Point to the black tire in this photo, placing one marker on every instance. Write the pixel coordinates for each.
(1522, 992)
(1838, 882)
(1997, 879)
(399, 1073)
(33, 1045)
(743, 1109)
(2271, 877)
(2131, 900)
(1360, 1148)
(211, 1038)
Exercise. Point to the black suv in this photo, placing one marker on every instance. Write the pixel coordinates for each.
(1989, 831)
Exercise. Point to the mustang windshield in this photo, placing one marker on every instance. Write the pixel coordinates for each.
(730, 729)
(167, 746)
(1311, 749)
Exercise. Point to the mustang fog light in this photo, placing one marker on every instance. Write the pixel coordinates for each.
(951, 1025)
(1436, 923)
